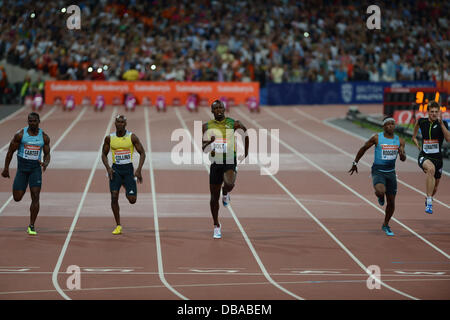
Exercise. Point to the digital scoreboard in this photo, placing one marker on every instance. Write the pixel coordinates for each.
(414, 99)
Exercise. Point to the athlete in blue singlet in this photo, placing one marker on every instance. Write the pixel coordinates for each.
(387, 147)
(30, 142)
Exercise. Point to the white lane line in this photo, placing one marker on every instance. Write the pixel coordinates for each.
(328, 123)
(59, 140)
(361, 196)
(350, 155)
(12, 115)
(43, 118)
(77, 214)
(69, 128)
(244, 234)
(155, 210)
(354, 258)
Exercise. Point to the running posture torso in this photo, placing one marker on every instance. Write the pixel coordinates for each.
(386, 152)
(432, 138)
(121, 148)
(224, 144)
(30, 148)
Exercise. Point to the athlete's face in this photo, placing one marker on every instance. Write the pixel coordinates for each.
(33, 122)
(218, 109)
(120, 123)
(433, 114)
(389, 127)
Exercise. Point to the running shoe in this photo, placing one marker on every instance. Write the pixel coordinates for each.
(429, 208)
(226, 199)
(381, 200)
(117, 230)
(31, 231)
(387, 230)
(217, 232)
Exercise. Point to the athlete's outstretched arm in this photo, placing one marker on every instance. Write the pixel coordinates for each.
(140, 149)
(105, 151)
(369, 143)
(239, 125)
(414, 136)
(46, 150)
(13, 147)
(444, 128)
(206, 143)
(401, 150)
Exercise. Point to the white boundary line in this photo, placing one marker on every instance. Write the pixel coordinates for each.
(244, 234)
(342, 151)
(155, 210)
(357, 193)
(12, 115)
(77, 214)
(354, 258)
(11, 197)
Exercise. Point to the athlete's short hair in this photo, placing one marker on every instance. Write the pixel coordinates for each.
(217, 101)
(433, 104)
(34, 114)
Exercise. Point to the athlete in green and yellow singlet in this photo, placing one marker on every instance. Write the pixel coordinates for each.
(220, 135)
(122, 144)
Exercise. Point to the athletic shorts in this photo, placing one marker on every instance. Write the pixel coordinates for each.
(217, 171)
(27, 177)
(437, 165)
(388, 179)
(123, 176)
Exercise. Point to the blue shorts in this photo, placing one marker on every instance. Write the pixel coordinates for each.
(123, 176)
(27, 175)
(388, 179)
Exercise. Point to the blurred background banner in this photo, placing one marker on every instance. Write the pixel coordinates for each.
(175, 93)
(335, 92)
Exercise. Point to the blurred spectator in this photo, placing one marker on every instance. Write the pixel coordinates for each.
(234, 40)
(25, 89)
(3, 84)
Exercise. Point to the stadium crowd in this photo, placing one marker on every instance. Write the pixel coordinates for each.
(233, 40)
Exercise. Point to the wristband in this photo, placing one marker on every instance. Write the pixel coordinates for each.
(355, 163)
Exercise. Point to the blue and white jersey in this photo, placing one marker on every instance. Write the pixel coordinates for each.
(31, 146)
(386, 152)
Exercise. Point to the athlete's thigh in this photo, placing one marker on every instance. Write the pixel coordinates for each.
(21, 180)
(129, 182)
(229, 176)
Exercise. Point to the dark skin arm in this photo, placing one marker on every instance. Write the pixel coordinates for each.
(401, 150)
(140, 149)
(206, 143)
(105, 151)
(369, 143)
(239, 125)
(13, 147)
(46, 150)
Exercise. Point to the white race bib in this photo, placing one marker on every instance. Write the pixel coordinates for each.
(122, 156)
(31, 152)
(389, 152)
(220, 145)
(430, 146)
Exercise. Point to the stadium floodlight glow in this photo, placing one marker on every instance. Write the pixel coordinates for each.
(32, 15)
(153, 67)
(306, 34)
(99, 70)
(105, 67)
(63, 10)
(90, 69)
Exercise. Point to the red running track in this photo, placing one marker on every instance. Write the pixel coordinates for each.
(307, 232)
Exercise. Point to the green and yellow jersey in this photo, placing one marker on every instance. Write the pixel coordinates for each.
(224, 144)
(121, 148)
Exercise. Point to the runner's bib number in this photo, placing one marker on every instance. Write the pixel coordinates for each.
(431, 146)
(220, 145)
(122, 156)
(31, 152)
(389, 152)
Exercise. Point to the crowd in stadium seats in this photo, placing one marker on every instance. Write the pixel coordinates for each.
(233, 40)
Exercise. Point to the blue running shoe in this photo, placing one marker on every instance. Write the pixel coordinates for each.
(387, 230)
(429, 208)
(381, 201)
(226, 199)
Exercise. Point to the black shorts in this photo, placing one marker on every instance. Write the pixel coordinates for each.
(27, 177)
(388, 179)
(437, 164)
(217, 171)
(123, 176)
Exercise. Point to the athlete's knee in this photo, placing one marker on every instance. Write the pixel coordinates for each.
(114, 197)
(132, 199)
(228, 186)
(17, 196)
